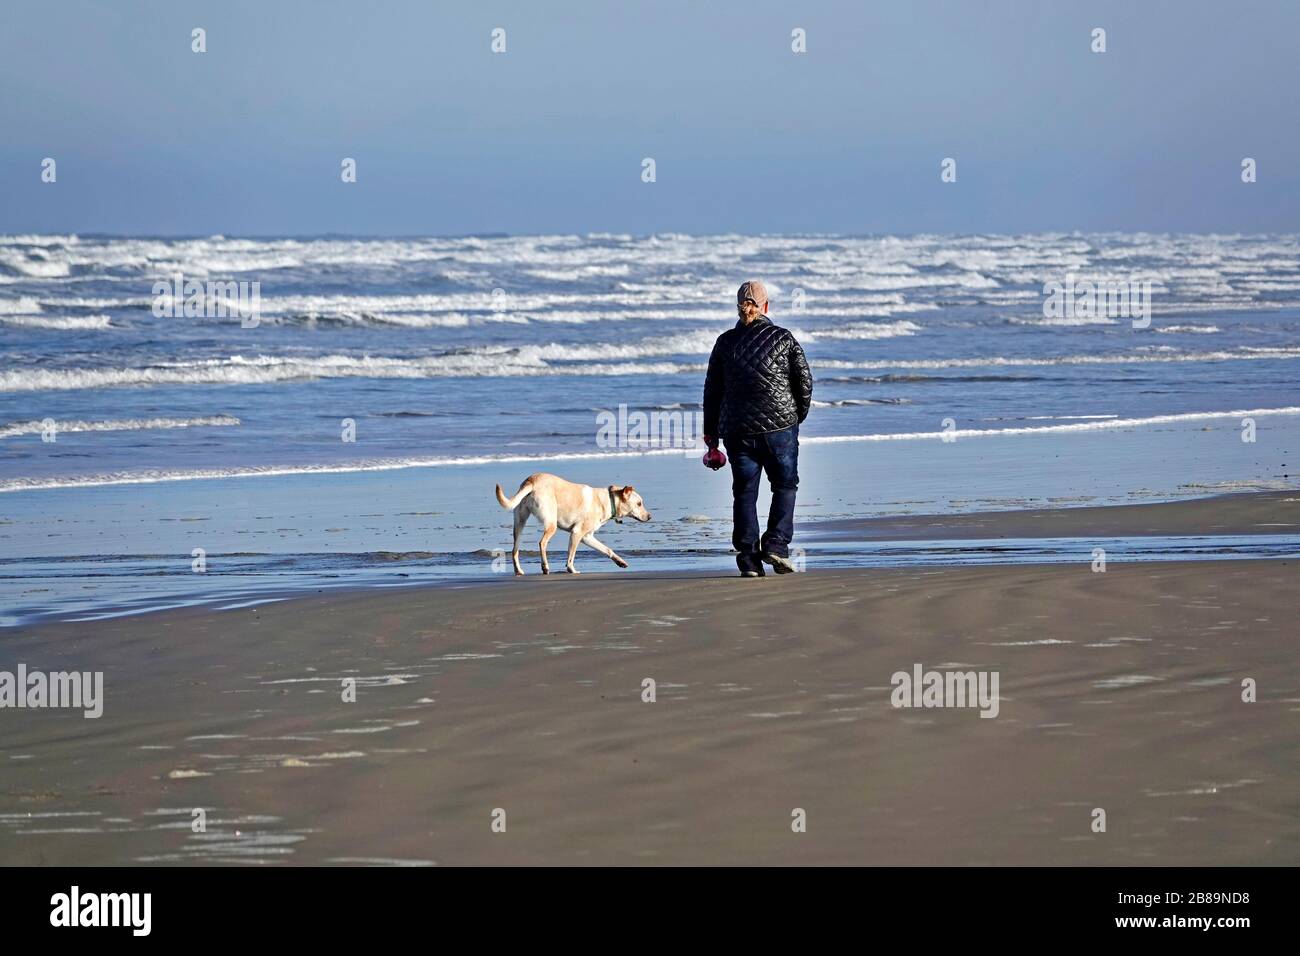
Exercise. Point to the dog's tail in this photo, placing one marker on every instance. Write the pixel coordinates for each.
(511, 503)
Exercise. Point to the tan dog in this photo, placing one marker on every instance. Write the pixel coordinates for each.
(578, 509)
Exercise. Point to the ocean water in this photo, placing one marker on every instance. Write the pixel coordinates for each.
(460, 362)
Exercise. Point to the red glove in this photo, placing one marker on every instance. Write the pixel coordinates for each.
(713, 458)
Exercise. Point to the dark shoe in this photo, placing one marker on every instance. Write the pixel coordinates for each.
(753, 574)
(780, 565)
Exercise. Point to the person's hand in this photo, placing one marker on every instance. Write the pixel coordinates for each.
(713, 458)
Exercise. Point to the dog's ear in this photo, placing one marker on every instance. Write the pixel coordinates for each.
(626, 492)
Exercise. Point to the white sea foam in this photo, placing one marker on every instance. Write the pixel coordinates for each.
(498, 361)
(31, 239)
(860, 330)
(158, 475)
(520, 316)
(1089, 426)
(14, 429)
(700, 342)
(665, 276)
(1188, 329)
(964, 280)
(265, 369)
(855, 402)
(1242, 354)
(1063, 320)
(74, 322)
(687, 343)
(36, 267)
(57, 303)
(21, 306)
(459, 309)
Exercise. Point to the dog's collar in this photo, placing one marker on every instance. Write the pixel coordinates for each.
(613, 506)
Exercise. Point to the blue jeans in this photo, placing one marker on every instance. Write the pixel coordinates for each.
(776, 453)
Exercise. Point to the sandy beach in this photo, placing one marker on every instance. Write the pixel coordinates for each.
(1119, 690)
(317, 323)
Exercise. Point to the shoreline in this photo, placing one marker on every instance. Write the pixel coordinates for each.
(1247, 526)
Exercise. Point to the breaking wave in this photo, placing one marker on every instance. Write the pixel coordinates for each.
(77, 322)
(392, 464)
(529, 361)
(115, 425)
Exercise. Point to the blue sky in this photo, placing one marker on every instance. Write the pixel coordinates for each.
(450, 138)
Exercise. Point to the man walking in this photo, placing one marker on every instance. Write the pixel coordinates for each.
(757, 392)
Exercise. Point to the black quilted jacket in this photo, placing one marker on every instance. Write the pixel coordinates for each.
(758, 381)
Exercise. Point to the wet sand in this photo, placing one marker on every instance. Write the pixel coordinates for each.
(1240, 514)
(1118, 690)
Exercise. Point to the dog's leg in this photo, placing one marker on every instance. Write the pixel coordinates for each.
(547, 534)
(604, 549)
(573, 549)
(521, 519)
